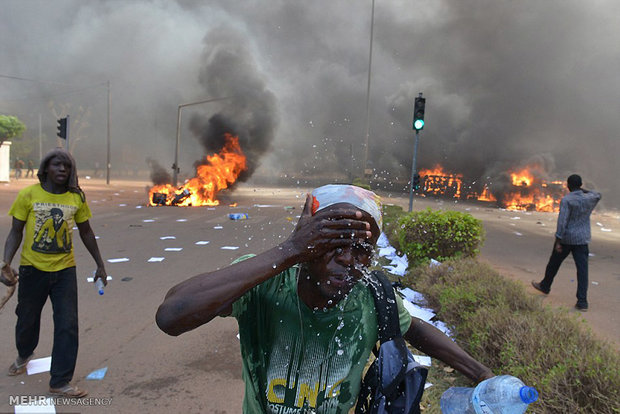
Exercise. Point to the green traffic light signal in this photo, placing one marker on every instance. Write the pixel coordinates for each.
(418, 113)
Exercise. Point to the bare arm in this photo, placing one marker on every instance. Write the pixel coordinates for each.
(88, 238)
(13, 240)
(433, 342)
(196, 301)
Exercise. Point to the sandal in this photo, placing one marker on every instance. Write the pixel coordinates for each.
(68, 390)
(18, 368)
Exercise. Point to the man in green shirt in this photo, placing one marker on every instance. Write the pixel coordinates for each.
(307, 321)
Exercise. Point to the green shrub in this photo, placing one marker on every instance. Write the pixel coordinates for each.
(439, 235)
(507, 329)
(361, 182)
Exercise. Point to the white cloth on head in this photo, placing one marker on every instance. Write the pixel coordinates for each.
(331, 194)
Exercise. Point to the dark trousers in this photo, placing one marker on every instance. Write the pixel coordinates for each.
(580, 255)
(34, 288)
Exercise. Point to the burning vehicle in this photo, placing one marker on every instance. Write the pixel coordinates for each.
(217, 172)
(524, 189)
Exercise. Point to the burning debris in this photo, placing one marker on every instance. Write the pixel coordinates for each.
(525, 190)
(217, 173)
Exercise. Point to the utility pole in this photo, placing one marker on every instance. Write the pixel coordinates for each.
(372, 24)
(418, 125)
(175, 166)
(108, 165)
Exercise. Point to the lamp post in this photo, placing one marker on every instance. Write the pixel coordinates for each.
(175, 166)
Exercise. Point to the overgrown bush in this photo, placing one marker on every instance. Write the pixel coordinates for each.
(496, 321)
(439, 235)
(361, 182)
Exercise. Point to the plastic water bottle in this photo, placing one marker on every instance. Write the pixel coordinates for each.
(99, 286)
(238, 216)
(503, 394)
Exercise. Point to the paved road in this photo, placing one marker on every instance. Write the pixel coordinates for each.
(200, 371)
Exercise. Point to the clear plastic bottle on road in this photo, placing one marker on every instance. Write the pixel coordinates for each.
(503, 394)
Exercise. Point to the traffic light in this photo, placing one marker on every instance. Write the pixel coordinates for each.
(418, 113)
(416, 181)
(62, 127)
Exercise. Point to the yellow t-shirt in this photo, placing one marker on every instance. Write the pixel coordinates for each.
(48, 243)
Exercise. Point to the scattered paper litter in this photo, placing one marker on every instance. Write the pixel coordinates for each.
(604, 229)
(156, 259)
(599, 224)
(138, 206)
(148, 220)
(36, 366)
(202, 242)
(265, 205)
(422, 360)
(118, 260)
(418, 312)
(229, 247)
(595, 283)
(181, 220)
(92, 279)
(412, 296)
(122, 205)
(167, 238)
(97, 374)
(516, 218)
(434, 263)
(427, 385)
(45, 406)
(518, 234)
(218, 227)
(173, 249)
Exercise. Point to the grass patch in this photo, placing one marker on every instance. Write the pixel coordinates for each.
(500, 324)
(497, 322)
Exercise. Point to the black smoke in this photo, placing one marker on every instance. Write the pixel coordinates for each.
(250, 108)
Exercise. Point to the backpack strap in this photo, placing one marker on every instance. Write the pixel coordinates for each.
(385, 304)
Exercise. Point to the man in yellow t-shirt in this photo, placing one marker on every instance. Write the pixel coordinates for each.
(48, 211)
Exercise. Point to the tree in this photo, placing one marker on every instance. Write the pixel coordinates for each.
(10, 127)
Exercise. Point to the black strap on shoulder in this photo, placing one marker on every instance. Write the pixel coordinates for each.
(385, 304)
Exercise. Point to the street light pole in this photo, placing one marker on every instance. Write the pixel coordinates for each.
(107, 173)
(175, 166)
(372, 24)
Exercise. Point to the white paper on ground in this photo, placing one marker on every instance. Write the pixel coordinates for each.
(181, 220)
(36, 366)
(229, 247)
(118, 260)
(218, 227)
(173, 249)
(422, 360)
(411, 295)
(427, 385)
(265, 205)
(156, 259)
(418, 312)
(148, 220)
(202, 242)
(92, 279)
(167, 238)
(44, 407)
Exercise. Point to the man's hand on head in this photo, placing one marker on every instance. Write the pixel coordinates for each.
(328, 229)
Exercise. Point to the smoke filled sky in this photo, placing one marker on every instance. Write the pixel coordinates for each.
(507, 83)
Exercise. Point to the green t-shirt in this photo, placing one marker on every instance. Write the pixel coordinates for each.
(296, 358)
(48, 243)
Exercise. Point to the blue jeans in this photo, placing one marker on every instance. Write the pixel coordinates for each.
(34, 287)
(580, 255)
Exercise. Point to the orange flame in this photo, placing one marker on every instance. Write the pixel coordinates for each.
(529, 192)
(532, 193)
(438, 182)
(219, 171)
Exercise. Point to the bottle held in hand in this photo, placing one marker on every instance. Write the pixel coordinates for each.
(99, 286)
